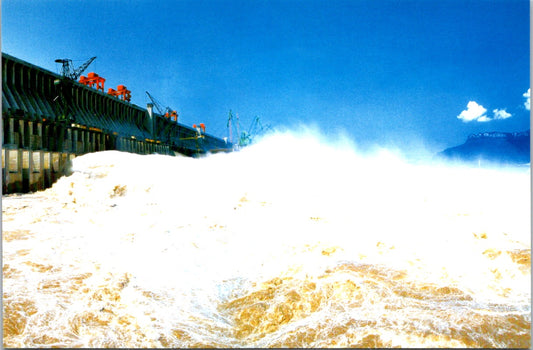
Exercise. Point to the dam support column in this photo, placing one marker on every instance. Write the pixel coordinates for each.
(90, 141)
(32, 134)
(10, 133)
(99, 142)
(39, 135)
(74, 134)
(21, 134)
(27, 126)
(84, 141)
(151, 120)
(88, 144)
(69, 146)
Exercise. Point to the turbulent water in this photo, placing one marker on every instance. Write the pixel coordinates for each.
(291, 242)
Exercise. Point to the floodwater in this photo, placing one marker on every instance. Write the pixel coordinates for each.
(292, 242)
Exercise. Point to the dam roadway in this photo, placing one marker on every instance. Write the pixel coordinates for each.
(49, 119)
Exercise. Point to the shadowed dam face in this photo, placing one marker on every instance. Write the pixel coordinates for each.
(290, 242)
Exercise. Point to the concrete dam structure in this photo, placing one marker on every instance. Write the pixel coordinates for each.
(48, 119)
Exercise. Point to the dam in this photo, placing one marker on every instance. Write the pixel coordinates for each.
(48, 119)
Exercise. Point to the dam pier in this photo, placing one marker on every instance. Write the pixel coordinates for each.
(48, 119)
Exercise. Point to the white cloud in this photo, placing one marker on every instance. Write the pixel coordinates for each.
(483, 118)
(501, 114)
(527, 95)
(472, 112)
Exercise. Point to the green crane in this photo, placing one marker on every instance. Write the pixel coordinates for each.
(246, 138)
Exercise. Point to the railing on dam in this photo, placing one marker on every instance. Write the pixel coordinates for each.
(45, 113)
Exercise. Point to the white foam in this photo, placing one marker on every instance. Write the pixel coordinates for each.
(199, 231)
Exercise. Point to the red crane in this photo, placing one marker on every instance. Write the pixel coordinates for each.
(93, 79)
(121, 92)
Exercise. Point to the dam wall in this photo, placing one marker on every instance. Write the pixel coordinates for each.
(48, 119)
(29, 171)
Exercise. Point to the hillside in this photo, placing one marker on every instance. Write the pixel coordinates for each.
(511, 148)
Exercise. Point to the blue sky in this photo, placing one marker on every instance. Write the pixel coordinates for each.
(381, 72)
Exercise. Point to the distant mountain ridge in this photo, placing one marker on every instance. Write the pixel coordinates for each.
(513, 148)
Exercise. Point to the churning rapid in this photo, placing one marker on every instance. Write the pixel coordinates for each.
(291, 242)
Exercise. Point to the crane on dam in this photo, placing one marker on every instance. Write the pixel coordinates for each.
(246, 137)
(68, 71)
(63, 98)
(166, 112)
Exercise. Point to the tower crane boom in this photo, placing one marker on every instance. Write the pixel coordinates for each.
(167, 112)
(68, 70)
(157, 105)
